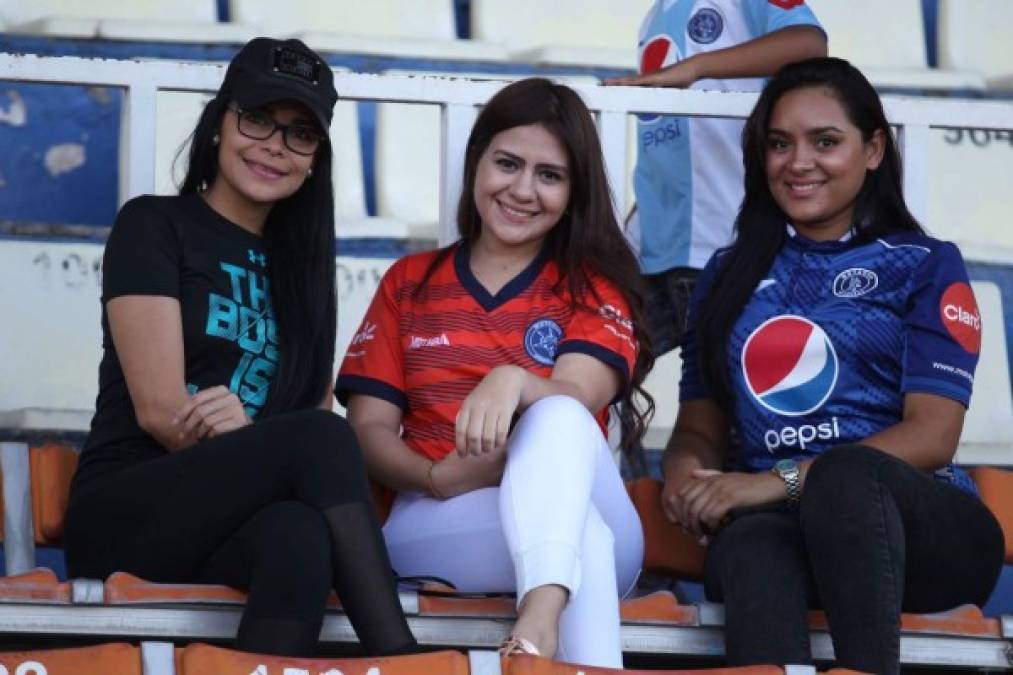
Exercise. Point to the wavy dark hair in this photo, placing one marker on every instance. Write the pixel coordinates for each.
(299, 239)
(587, 239)
(759, 227)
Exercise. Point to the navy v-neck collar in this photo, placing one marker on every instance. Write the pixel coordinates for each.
(513, 288)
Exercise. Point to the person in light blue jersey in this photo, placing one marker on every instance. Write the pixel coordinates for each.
(688, 179)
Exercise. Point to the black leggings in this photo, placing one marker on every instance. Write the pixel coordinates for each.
(280, 508)
(873, 537)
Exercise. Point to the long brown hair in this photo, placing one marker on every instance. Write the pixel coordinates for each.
(587, 239)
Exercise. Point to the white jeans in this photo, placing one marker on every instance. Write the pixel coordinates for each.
(561, 515)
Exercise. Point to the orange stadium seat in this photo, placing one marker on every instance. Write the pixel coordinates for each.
(963, 621)
(200, 659)
(996, 488)
(966, 620)
(36, 586)
(441, 600)
(122, 588)
(114, 658)
(52, 468)
(530, 665)
(667, 549)
(660, 607)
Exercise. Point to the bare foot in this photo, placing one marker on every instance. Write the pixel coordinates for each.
(538, 617)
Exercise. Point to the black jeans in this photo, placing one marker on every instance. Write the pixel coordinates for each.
(872, 537)
(280, 508)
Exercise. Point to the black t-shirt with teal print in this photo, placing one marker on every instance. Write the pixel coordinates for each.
(179, 247)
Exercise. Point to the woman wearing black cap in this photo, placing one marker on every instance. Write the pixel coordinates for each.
(214, 456)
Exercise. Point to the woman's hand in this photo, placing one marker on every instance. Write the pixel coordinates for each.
(210, 413)
(673, 503)
(702, 503)
(483, 421)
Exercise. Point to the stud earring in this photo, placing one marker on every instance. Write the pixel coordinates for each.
(216, 139)
(203, 187)
(309, 172)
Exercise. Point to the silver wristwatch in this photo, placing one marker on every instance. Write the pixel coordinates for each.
(787, 470)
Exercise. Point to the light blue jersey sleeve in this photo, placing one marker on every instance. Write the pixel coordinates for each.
(767, 16)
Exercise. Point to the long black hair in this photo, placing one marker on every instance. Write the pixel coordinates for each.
(760, 226)
(587, 239)
(299, 239)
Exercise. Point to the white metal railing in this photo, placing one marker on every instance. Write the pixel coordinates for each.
(459, 98)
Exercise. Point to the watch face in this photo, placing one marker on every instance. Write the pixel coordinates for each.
(785, 465)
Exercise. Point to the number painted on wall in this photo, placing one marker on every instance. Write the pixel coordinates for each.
(981, 138)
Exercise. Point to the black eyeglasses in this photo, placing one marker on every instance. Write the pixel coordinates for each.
(301, 139)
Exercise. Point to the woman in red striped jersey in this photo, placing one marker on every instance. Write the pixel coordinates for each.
(480, 383)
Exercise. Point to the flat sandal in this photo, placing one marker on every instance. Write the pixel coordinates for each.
(515, 644)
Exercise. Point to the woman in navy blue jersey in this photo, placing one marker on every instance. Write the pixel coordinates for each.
(840, 343)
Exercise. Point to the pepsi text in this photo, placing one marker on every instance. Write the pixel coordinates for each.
(800, 436)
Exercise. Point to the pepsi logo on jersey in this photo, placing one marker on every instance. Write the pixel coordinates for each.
(790, 367)
(958, 310)
(657, 53)
(786, 4)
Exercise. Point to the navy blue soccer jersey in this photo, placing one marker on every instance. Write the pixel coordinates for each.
(833, 338)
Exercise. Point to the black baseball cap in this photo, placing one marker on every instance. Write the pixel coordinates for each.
(267, 70)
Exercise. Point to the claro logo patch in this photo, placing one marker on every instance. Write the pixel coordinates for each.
(786, 4)
(959, 311)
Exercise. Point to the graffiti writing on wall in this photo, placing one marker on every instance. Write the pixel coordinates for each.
(77, 269)
(71, 270)
(357, 282)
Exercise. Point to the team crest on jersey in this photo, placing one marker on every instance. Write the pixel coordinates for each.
(855, 282)
(958, 310)
(541, 341)
(706, 26)
(789, 365)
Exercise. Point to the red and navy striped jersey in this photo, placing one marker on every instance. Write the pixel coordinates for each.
(426, 350)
